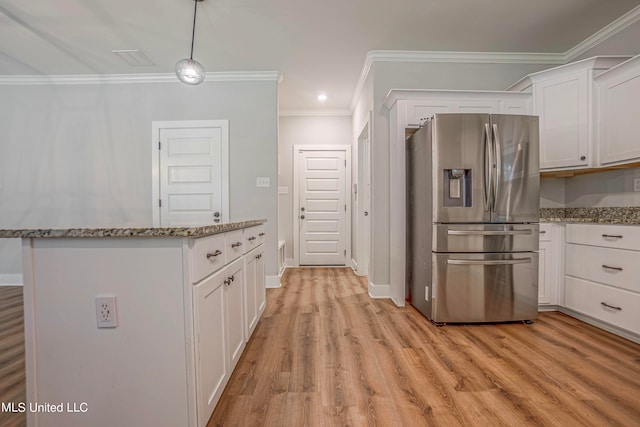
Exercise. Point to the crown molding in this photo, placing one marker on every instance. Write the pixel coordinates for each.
(613, 28)
(466, 57)
(88, 79)
(451, 57)
(315, 113)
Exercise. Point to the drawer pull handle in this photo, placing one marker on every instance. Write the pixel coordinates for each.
(231, 278)
(215, 254)
(542, 231)
(612, 236)
(236, 244)
(610, 306)
(261, 234)
(611, 268)
(252, 238)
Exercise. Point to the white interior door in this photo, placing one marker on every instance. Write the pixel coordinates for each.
(322, 207)
(364, 205)
(193, 176)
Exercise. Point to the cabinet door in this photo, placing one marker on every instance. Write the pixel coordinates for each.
(251, 314)
(618, 112)
(261, 291)
(546, 283)
(211, 349)
(562, 104)
(419, 111)
(234, 296)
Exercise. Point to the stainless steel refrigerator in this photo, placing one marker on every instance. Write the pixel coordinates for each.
(472, 218)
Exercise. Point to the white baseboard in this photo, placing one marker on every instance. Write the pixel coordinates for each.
(289, 263)
(11, 280)
(272, 282)
(379, 291)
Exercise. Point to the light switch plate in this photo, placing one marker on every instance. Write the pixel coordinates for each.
(283, 190)
(263, 181)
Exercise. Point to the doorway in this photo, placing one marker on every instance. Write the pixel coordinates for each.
(190, 169)
(322, 212)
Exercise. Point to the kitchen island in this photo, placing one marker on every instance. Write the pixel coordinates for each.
(137, 326)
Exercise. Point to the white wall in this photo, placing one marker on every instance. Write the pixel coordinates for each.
(80, 155)
(552, 192)
(302, 130)
(604, 189)
(415, 75)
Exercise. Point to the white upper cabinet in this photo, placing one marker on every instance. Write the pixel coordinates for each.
(415, 106)
(618, 110)
(563, 97)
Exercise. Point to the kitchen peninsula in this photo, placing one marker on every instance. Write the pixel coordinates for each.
(137, 326)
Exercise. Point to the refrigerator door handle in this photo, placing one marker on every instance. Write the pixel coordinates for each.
(487, 172)
(498, 163)
(489, 262)
(490, 232)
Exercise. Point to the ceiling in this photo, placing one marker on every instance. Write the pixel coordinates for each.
(318, 46)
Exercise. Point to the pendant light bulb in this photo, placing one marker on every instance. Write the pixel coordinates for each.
(189, 70)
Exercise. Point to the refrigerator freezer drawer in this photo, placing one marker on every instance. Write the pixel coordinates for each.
(491, 287)
(485, 237)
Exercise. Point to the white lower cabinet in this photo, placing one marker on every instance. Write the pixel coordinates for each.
(602, 269)
(549, 265)
(255, 290)
(212, 367)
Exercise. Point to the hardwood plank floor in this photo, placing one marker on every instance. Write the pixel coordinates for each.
(12, 370)
(326, 354)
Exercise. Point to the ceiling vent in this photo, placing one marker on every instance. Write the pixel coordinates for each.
(134, 57)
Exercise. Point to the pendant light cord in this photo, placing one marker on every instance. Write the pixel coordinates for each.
(193, 32)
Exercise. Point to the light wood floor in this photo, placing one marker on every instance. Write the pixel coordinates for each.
(12, 373)
(326, 354)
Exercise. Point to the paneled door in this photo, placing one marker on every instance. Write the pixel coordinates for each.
(193, 177)
(322, 207)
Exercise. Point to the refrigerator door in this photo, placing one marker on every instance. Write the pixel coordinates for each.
(460, 176)
(485, 237)
(517, 176)
(492, 287)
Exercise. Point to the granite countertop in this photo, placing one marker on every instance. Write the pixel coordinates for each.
(611, 215)
(200, 231)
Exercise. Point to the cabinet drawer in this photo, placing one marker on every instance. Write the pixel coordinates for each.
(234, 245)
(610, 236)
(545, 232)
(616, 267)
(207, 256)
(252, 237)
(615, 306)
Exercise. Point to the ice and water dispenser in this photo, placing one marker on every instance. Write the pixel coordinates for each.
(457, 187)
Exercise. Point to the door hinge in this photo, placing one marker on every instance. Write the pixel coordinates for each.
(159, 203)
(345, 207)
(345, 252)
(159, 145)
(345, 163)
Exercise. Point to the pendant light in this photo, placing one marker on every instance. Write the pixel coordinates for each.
(189, 70)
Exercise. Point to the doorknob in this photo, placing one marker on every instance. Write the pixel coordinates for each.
(302, 209)
(366, 213)
(301, 216)
(216, 217)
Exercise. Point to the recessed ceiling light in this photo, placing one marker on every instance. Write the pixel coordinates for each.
(134, 57)
(322, 97)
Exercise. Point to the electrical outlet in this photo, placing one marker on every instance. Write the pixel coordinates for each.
(636, 184)
(106, 311)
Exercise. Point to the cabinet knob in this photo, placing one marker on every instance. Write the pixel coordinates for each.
(583, 158)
